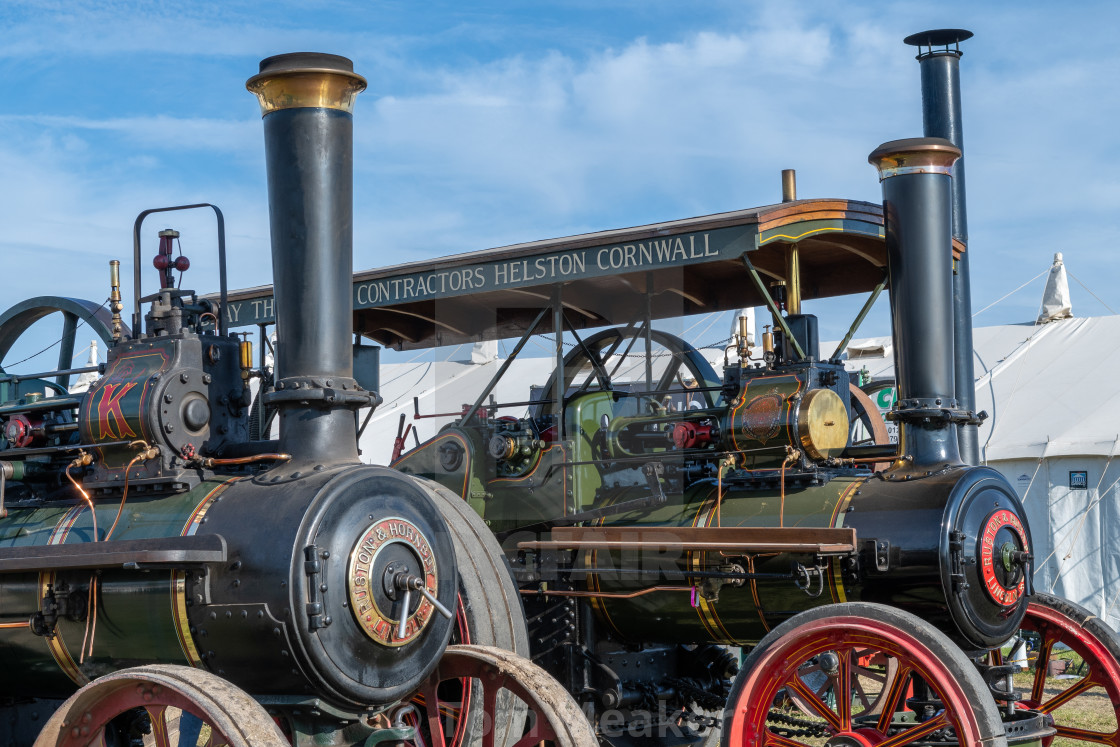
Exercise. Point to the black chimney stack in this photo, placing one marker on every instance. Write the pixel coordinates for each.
(307, 103)
(939, 57)
(917, 203)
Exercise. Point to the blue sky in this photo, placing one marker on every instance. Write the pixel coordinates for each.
(489, 123)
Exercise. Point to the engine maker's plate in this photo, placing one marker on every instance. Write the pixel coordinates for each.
(1003, 533)
(388, 547)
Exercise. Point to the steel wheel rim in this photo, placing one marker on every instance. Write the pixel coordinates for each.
(553, 716)
(92, 714)
(779, 667)
(233, 717)
(454, 666)
(1055, 626)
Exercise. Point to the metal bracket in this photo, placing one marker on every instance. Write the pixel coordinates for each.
(312, 566)
(938, 414)
(882, 555)
(58, 603)
(653, 472)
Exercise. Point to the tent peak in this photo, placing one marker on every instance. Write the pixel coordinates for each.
(1056, 303)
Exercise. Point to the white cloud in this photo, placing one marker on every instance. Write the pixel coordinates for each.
(564, 134)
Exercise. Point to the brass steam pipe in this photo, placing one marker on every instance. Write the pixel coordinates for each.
(789, 185)
(793, 279)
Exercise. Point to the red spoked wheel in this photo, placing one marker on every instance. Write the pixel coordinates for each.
(771, 702)
(488, 614)
(496, 675)
(177, 701)
(871, 674)
(1060, 622)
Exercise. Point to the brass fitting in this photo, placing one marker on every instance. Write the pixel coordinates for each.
(115, 304)
(743, 341)
(146, 451)
(84, 459)
(246, 350)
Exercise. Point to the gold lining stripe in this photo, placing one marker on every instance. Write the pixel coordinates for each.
(464, 492)
(710, 607)
(704, 611)
(591, 559)
(787, 237)
(55, 644)
(837, 589)
(179, 618)
(203, 506)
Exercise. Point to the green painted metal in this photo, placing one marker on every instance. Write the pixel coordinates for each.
(135, 618)
(736, 614)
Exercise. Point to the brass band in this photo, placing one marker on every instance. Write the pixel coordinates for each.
(918, 155)
(306, 81)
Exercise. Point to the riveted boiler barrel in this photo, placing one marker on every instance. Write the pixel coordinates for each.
(296, 608)
(935, 547)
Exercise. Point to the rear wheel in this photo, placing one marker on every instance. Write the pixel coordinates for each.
(489, 613)
(1061, 624)
(495, 675)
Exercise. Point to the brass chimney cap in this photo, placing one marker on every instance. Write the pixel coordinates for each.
(915, 155)
(305, 80)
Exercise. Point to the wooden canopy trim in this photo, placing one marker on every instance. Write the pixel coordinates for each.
(674, 268)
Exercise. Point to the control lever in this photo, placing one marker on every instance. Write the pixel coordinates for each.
(408, 583)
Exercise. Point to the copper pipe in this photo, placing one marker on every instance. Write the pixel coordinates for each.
(148, 452)
(247, 460)
(83, 460)
(6, 626)
(608, 594)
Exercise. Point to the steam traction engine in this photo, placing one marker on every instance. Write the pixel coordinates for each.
(659, 515)
(196, 587)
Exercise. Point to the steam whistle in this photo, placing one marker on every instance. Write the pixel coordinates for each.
(744, 345)
(115, 304)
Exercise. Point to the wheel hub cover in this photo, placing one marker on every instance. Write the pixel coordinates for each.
(1003, 532)
(388, 547)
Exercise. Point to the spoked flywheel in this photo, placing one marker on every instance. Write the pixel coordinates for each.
(162, 706)
(553, 716)
(858, 675)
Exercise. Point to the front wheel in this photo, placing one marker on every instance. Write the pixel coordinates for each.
(164, 706)
(935, 693)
